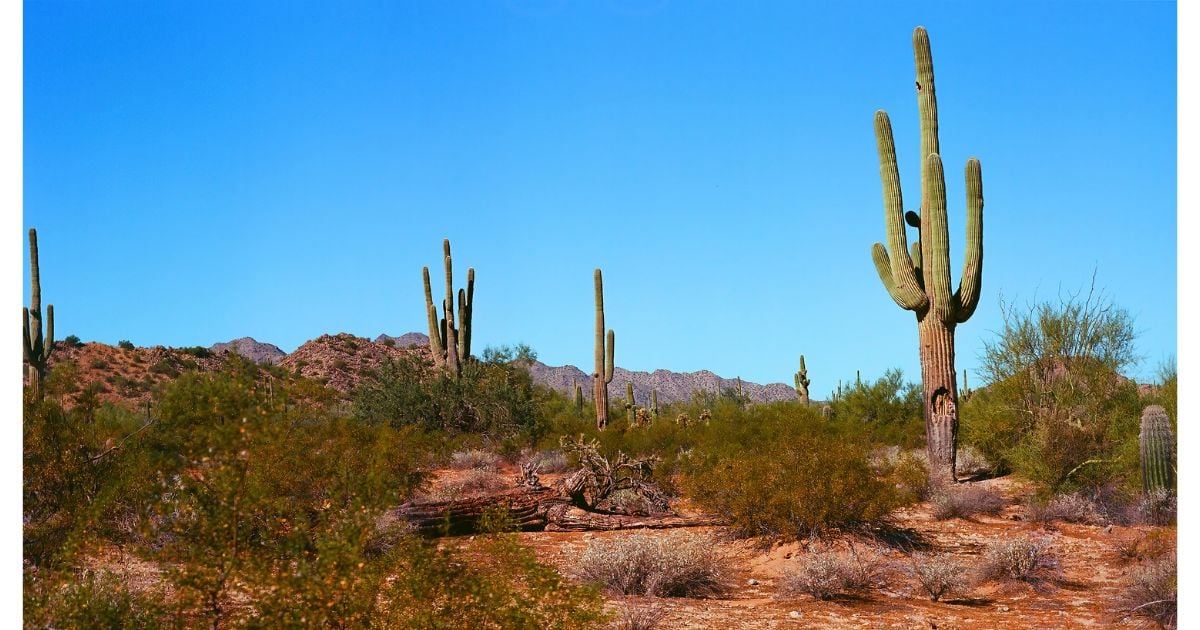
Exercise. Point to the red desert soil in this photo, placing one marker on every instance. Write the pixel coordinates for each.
(1093, 573)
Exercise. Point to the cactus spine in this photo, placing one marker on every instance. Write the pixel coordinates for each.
(1157, 449)
(36, 349)
(802, 382)
(630, 403)
(603, 373)
(920, 281)
(450, 345)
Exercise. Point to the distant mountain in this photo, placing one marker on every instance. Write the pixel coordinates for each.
(671, 386)
(248, 347)
(407, 340)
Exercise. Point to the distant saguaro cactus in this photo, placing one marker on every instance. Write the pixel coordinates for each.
(921, 282)
(36, 349)
(630, 403)
(451, 346)
(654, 404)
(802, 382)
(578, 399)
(1157, 444)
(603, 373)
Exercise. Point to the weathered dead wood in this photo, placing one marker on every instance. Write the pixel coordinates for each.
(531, 508)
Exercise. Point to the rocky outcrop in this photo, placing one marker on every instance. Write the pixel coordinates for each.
(252, 349)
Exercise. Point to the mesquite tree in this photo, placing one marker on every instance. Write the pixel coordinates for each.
(920, 281)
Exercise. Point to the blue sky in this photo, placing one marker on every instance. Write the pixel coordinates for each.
(203, 171)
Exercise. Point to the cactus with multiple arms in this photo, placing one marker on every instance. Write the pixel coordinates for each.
(920, 281)
(1157, 450)
(451, 345)
(603, 374)
(802, 382)
(36, 349)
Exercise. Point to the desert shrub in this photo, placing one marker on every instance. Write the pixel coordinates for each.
(474, 482)
(1056, 409)
(826, 573)
(504, 586)
(1072, 507)
(1153, 545)
(1026, 559)
(553, 461)
(646, 616)
(938, 575)
(1156, 507)
(1152, 593)
(907, 470)
(72, 341)
(125, 344)
(965, 501)
(98, 364)
(786, 474)
(166, 368)
(970, 462)
(474, 458)
(678, 564)
(88, 599)
(200, 352)
(497, 400)
(888, 410)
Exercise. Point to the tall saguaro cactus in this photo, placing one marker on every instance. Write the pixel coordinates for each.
(36, 349)
(802, 382)
(451, 346)
(1157, 450)
(603, 373)
(921, 282)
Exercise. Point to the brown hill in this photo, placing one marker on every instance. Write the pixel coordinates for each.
(341, 361)
(120, 375)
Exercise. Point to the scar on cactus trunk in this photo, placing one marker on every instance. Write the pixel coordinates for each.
(920, 281)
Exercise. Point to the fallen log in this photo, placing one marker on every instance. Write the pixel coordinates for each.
(532, 508)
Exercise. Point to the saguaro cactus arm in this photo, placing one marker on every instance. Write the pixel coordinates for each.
(967, 296)
(893, 263)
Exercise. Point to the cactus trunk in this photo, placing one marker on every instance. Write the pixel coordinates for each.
(940, 398)
(36, 348)
(1157, 444)
(603, 374)
(920, 281)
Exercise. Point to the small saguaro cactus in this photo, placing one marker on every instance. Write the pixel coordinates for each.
(630, 403)
(578, 399)
(920, 281)
(36, 349)
(451, 346)
(802, 382)
(1157, 450)
(966, 388)
(654, 404)
(603, 373)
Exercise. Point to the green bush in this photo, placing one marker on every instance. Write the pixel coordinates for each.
(888, 411)
(783, 472)
(87, 600)
(125, 344)
(1055, 408)
(496, 399)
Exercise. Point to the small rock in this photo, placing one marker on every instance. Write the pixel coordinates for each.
(1108, 528)
(752, 582)
(795, 614)
(1002, 609)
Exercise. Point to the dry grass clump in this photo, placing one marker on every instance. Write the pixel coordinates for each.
(1155, 545)
(826, 574)
(1027, 559)
(939, 575)
(970, 462)
(1151, 593)
(1071, 508)
(554, 461)
(677, 565)
(474, 482)
(1156, 507)
(639, 617)
(966, 501)
(474, 458)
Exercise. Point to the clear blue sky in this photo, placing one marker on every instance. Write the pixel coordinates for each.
(203, 171)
